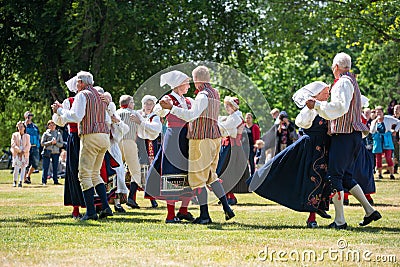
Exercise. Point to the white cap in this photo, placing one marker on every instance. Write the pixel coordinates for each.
(310, 90)
(173, 78)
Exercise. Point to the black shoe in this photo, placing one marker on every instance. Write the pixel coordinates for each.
(132, 203)
(312, 224)
(28, 180)
(14, 184)
(188, 217)
(338, 227)
(105, 213)
(323, 214)
(89, 217)
(20, 184)
(57, 183)
(174, 220)
(346, 202)
(386, 172)
(229, 214)
(373, 217)
(199, 220)
(154, 203)
(371, 201)
(380, 176)
(392, 177)
(78, 217)
(119, 208)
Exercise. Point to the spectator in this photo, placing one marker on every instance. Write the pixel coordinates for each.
(382, 139)
(286, 132)
(20, 145)
(253, 133)
(34, 134)
(52, 141)
(390, 109)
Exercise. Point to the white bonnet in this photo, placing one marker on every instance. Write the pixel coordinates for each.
(149, 97)
(310, 90)
(173, 78)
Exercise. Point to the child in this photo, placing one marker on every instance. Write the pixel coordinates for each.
(20, 145)
(258, 145)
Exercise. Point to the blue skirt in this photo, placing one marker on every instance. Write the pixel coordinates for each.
(363, 171)
(296, 177)
(172, 158)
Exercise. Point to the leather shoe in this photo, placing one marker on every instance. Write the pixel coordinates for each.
(323, 214)
(312, 224)
(132, 203)
(154, 203)
(373, 217)
(199, 220)
(119, 208)
(174, 220)
(105, 213)
(338, 227)
(77, 217)
(229, 214)
(188, 216)
(89, 217)
(232, 201)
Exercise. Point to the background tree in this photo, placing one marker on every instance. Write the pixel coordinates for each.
(280, 45)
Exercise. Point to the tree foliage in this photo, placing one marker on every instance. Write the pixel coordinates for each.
(280, 45)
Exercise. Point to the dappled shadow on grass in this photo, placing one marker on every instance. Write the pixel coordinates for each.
(237, 226)
(50, 219)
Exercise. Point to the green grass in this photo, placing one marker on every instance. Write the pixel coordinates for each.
(37, 230)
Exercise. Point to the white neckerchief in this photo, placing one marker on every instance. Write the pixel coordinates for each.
(181, 100)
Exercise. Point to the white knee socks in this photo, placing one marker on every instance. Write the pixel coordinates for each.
(337, 200)
(357, 192)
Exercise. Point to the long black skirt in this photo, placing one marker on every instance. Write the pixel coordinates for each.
(232, 169)
(73, 195)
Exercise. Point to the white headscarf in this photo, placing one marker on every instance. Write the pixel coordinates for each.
(71, 84)
(234, 101)
(173, 78)
(149, 97)
(310, 90)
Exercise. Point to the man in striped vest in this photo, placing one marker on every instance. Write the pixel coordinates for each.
(345, 128)
(204, 142)
(90, 112)
(129, 148)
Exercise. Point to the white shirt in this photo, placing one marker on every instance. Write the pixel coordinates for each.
(199, 104)
(149, 129)
(228, 124)
(77, 111)
(341, 96)
(306, 117)
(159, 111)
(388, 121)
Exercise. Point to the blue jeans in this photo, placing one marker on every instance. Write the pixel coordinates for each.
(34, 157)
(46, 163)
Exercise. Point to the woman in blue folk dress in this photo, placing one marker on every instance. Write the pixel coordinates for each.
(296, 177)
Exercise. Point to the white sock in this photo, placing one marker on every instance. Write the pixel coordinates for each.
(357, 192)
(337, 200)
(22, 174)
(15, 173)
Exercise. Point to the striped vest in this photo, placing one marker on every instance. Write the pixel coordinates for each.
(125, 114)
(206, 125)
(174, 121)
(351, 121)
(94, 120)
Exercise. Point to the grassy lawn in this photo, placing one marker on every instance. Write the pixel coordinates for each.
(37, 230)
